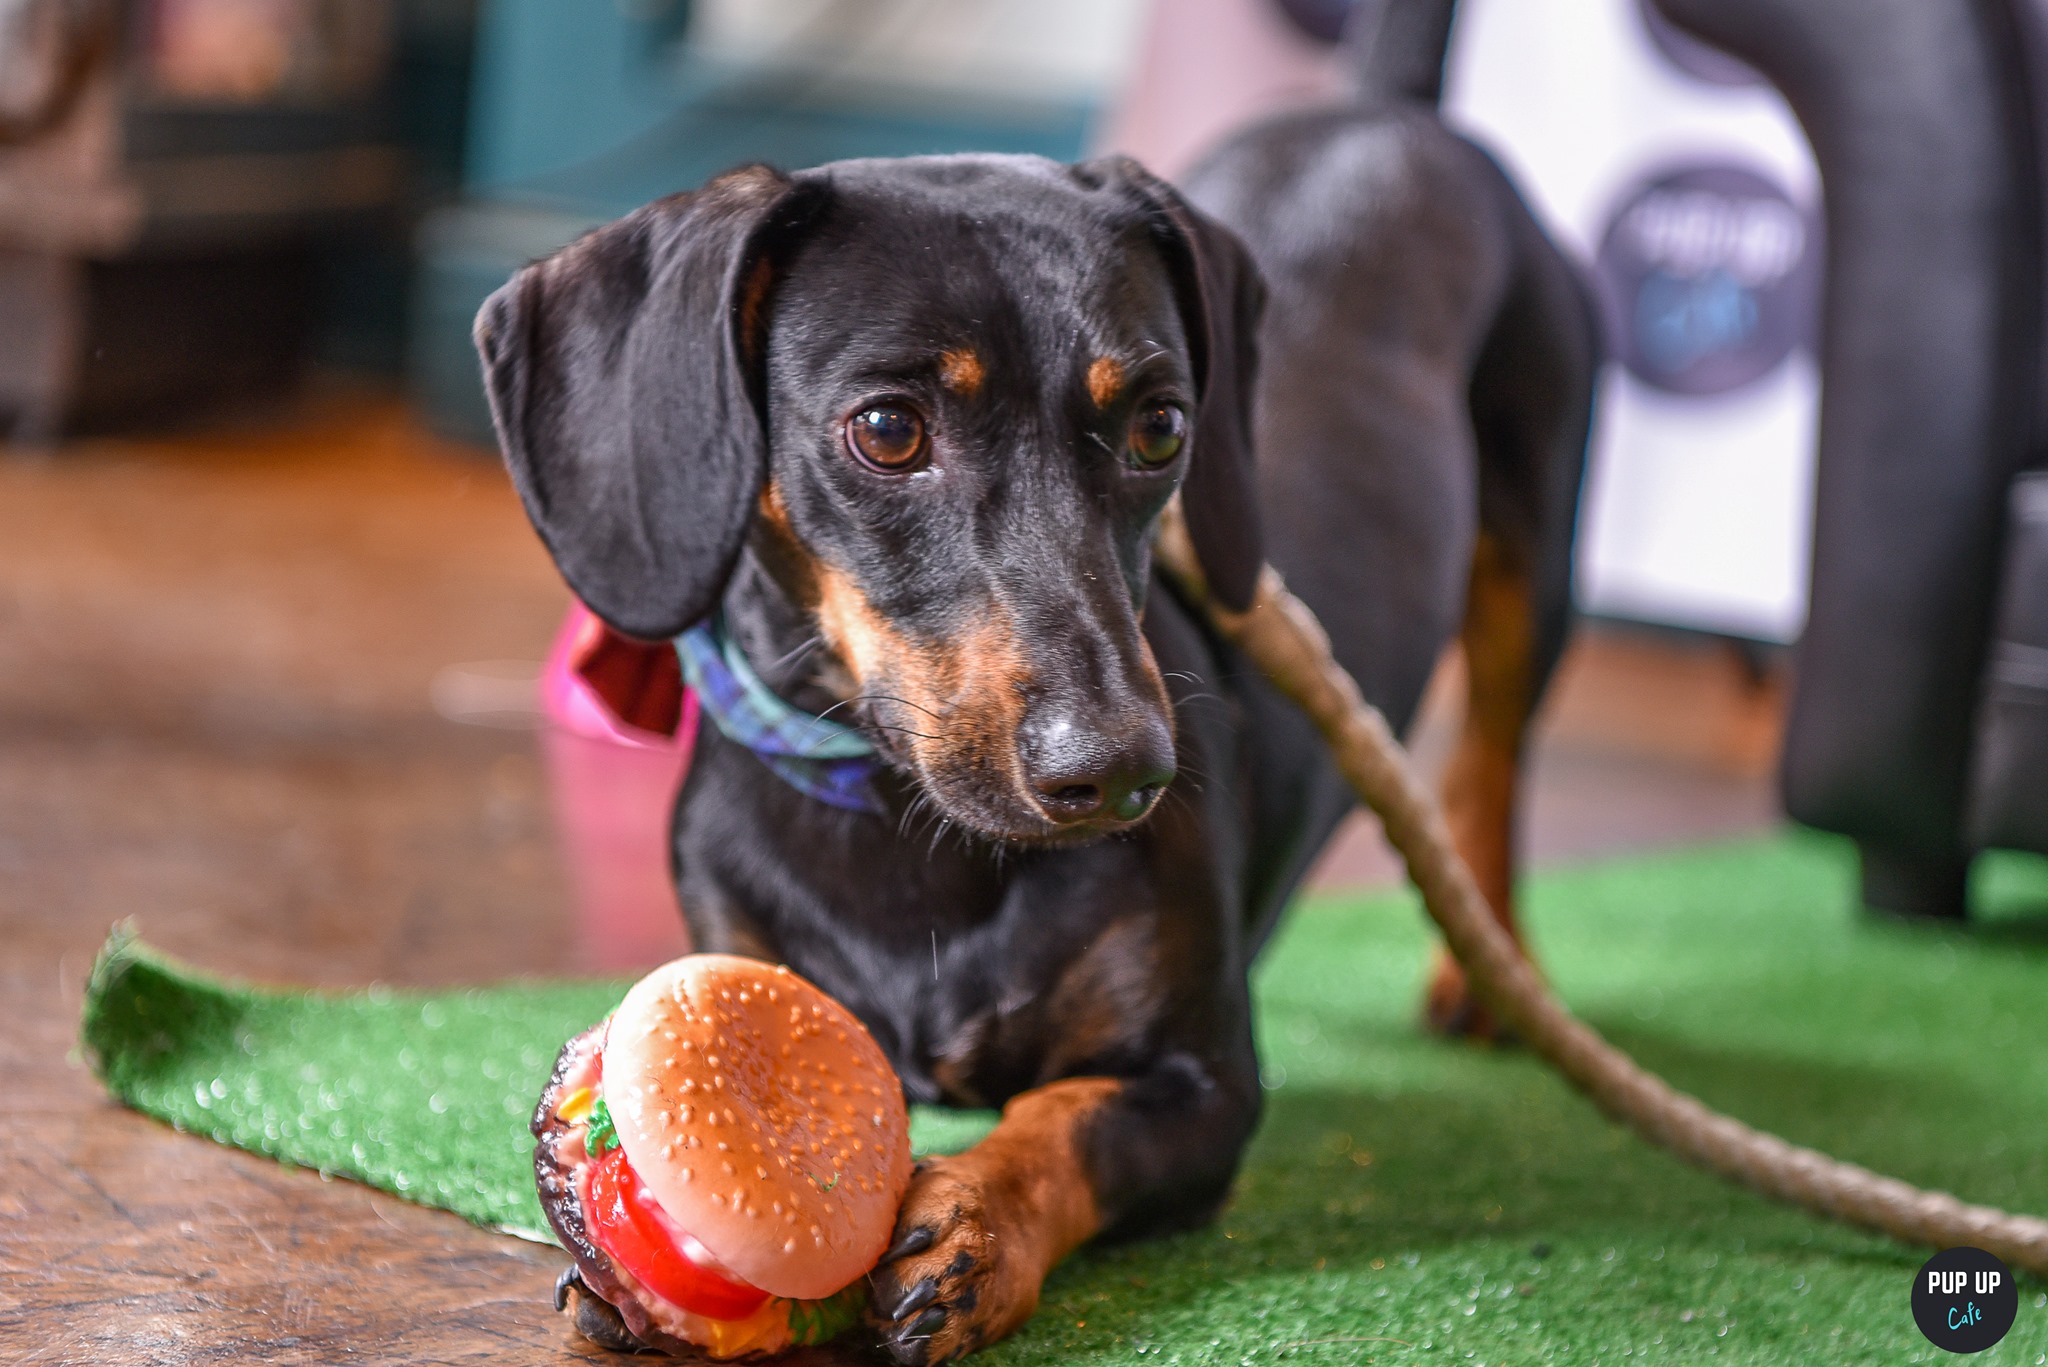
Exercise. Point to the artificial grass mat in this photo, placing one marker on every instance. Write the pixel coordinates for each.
(1405, 1200)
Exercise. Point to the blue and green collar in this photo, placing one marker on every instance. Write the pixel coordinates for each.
(817, 756)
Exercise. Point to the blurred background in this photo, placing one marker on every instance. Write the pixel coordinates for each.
(273, 629)
(281, 659)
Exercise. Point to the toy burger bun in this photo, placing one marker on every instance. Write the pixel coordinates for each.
(724, 1157)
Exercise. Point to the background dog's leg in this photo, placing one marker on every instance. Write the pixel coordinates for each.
(1531, 403)
(1483, 777)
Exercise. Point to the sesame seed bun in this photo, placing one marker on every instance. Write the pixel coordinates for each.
(764, 1119)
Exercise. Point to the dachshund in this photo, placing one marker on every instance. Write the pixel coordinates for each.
(883, 443)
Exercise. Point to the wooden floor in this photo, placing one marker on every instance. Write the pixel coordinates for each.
(216, 664)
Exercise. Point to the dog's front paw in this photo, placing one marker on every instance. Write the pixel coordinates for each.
(951, 1283)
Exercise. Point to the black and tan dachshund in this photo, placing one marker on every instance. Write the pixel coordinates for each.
(905, 427)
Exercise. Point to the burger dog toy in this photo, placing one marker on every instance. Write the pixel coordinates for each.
(724, 1157)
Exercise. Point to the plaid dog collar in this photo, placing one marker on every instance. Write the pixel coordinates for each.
(825, 759)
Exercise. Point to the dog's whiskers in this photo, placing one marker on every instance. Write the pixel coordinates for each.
(920, 803)
(887, 726)
(796, 653)
(1187, 779)
(880, 697)
(886, 697)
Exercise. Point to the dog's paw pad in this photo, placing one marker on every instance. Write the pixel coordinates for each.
(944, 1289)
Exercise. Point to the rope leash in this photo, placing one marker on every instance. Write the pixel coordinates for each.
(1283, 638)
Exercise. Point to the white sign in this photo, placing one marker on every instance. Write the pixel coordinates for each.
(1686, 187)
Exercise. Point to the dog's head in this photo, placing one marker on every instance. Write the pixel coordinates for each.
(945, 400)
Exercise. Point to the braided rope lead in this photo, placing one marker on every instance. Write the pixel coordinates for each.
(1283, 638)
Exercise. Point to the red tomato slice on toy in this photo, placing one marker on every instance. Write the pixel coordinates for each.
(626, 1222)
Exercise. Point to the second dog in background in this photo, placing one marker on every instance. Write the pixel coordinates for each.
(1427, 360)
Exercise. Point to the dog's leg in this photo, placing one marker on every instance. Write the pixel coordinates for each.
(980, 1230)
(1531, 403)
(1482, 780)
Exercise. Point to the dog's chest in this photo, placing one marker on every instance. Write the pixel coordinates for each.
(990, 1011)
(1093, 1012)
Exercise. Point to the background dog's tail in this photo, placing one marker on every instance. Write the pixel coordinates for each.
(1398, 47)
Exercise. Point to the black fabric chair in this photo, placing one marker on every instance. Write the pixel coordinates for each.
(1926, 118)
(2009, 797)
(1909, 731)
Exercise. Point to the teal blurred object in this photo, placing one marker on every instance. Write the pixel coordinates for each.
(581, 113)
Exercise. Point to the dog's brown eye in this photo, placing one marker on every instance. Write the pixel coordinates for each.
(1157, 434)
(888, 436)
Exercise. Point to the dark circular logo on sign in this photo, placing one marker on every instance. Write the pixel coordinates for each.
(1964, 1300)
(1708, 275)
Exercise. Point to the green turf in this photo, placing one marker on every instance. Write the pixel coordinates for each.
(1405, 1200)
(424, 1094)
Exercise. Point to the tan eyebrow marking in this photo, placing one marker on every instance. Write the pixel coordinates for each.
(960, 370)
(1105, 379)
(774, 511)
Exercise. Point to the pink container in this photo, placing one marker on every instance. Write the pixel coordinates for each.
(620, 727)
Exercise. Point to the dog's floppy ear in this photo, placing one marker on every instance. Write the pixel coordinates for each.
(620, 378)
(1221, 297)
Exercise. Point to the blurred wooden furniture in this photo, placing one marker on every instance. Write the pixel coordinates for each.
(166, 168)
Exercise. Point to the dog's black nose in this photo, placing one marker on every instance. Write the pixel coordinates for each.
(1077, 774)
